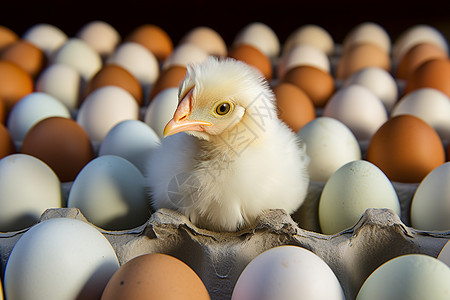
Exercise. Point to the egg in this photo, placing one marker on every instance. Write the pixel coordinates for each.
(46, 37)
(7, 36)
(444, 254)
(429, 206)
(161, 110)
(434, 73)
(368, 33)
(350, 191)
(184, 55)
(62, 82)
(260, 36)
(430, 105)
(294, 106)
(27, 188)
(104, 108)
(311, 34)
(14, 84)
(154, 38)
(207, 39)
(133, 140)
(316, 83)
(329, 144)
(101, 36)
(253, 57)
(62, 144)
(155, 276)
(411, 276)
(359, 109)
(287, 272)
(303, 55)
(7, 146)
(379, 81)
(31, 109)
(26, 55)
(170, 77)
(110, 193)
(60, 259)
(116, 75)
(406, 149)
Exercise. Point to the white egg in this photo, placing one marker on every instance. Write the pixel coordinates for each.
(207, 39)
(260, 36)
(110, 192)
(185, 54)
(46, 37)
(303, 55)
(313, 35)
(60, 259)
(31, 109)
(412, 277)
(379, 81)
(104, 108)
(329, 144)
(430, 105)
(285, 273)
(133, 140)
(350, 191)
(161, 110)
(359, 109)
(430, 206)
(368, 32)
(27, 188)
(101, 36)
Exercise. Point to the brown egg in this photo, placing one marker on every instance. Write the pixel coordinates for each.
(6, 143)
(7, 36)
(155, 277)
(116, 75)
(62, 144)
(294, 106)
(253, 57)
(25, 55)
(154, 38)
(14, 83)
(434, 73)
(362, 56)
(416, 56)
(2, 111)
(170, 77)
(406, 149)
(316, 83)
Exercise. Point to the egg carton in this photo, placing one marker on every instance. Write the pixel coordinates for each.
(219, 258)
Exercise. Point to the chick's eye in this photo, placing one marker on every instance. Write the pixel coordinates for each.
(223, 108)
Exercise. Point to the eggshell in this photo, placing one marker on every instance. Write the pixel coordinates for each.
(329, 144)
(430, 105)
(62, 82)
(294, 106)
(155, 276)
(31, 109)
(46, 37)
(260, 36)
(27, 188)
(14, 84)
(207, 39)
(7, 36)
(411, 276)
(368, 33)
(154, 38)
(7, 146)
(171, 77)
(185, 54)
(78, 54)
(359, 109)
(104, 108)
(60, 259)
(311, 34)
(406, 149)
(101, 36)
(303, 55)
(350, 191)
(316, 83)
(62, 144)
(110, 193)
(253, 57)
(444, 254)
(379, 81)
(434, 73)
(287, 272)
(161, 110)
(133, 140)
(26, 55)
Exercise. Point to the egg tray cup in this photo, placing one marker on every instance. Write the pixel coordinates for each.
(219, 258)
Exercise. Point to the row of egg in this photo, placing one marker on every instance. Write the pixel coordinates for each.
(39, 263)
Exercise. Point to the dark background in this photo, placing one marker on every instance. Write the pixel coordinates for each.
(228, 17)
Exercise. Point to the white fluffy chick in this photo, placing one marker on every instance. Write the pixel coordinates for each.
(226, 157)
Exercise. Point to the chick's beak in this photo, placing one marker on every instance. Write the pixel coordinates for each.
(181, 122)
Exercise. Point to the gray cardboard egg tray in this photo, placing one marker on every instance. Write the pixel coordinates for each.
(219, 258)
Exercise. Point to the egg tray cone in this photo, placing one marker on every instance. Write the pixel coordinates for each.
(219, 258)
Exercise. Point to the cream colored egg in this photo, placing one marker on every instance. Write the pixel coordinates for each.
(260, 36)
(101, 36)
(46, 37)
(444, 255)
(329, 144)
(207, 39)
(350, 191)
(303, 55)
(184, 55)
(161, 110)
(313, 35)
(368, 32)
